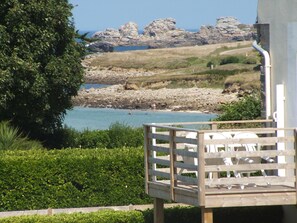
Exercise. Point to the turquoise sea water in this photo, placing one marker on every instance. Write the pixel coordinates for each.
(81, 118)
(88, 86)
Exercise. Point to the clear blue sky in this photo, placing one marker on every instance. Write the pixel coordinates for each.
(97, 15)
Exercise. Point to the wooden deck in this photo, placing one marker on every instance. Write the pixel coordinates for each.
(199, 178)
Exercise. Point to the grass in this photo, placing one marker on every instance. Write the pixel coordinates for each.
(12, 139)
(187, 66)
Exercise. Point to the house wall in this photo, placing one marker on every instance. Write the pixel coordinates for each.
(281, 18)
(277, 24)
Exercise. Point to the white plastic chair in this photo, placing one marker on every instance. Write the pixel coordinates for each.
(218, 148)
(190, 148)
(250, 160)
(209, 148)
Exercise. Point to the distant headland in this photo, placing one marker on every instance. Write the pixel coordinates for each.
(163, 33)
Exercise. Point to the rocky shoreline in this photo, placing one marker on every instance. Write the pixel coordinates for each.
(163, 33)
(190, 99)
(120, 96)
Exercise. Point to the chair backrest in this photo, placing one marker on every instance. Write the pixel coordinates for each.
(190, 148)
(248, 147)
(214, 147)
(247, 135)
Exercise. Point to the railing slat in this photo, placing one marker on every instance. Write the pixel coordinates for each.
(159, 161)
(159, 174)
(261, 180)
(242, 154)
(249, 167)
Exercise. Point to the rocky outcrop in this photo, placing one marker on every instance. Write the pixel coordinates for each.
(164, 33)
(180, 99)
(227, 29)
(160, 27)
(100, 46)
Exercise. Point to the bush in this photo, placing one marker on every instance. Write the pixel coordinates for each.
(12, 139)
(99, 217)
(172, 215)
(117, 136)
(94, 139)
(231, 59)
(39, 179)
(121, 135)
(248, 108)
(221, 215)
(214, 61)
(62, 138)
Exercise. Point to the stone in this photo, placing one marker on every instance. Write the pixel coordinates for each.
(162, 33)
(99, 46)
(159, 27)
(129, 30)
(109, 35)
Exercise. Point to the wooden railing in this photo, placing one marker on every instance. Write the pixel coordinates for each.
(182, 162)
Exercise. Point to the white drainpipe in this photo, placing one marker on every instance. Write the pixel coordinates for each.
(267, 67)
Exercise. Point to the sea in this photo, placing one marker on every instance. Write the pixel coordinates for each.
(82, 118)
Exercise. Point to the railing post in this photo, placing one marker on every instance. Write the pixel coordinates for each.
(201, 169)
(173, 171)
(206, 215)
(154, 153)
(158, 210)
(214, 126)
(146, 155)
(295, 148)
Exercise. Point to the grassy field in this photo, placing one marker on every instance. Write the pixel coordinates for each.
(214, 66)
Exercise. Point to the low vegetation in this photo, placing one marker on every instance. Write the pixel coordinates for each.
(12, 139)
(172, 215)
(99, 217)
(117, 136)
(69, 178)
(248, 108)
(202, 66)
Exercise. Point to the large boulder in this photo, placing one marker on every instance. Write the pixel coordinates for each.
(226, 29)
(109, 35)
(160, 27)
(100, 47)
(129, 30)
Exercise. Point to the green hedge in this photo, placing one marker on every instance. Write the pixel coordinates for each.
(273, 214)
(38, 179)
(98, 217)
(268, 214)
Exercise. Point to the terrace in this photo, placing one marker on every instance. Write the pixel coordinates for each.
(216, 172)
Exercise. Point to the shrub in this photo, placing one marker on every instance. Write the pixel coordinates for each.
(250, 60)
(99, 217)
(117, 136)
(121, 135)
(214, 61)
(231, 59)
(172, 215)
(222, 215)
(12, 139)
(63, 138)
(39, 179)
(94, 139)
(248, 108)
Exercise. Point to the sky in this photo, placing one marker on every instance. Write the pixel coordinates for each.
(98, 15)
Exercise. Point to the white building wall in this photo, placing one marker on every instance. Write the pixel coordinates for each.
(281, 15)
